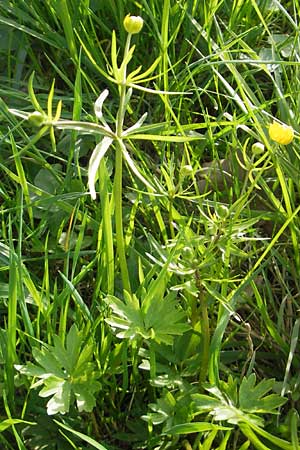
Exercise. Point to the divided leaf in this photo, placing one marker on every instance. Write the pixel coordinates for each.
(240, 406)
(157, 316)
(67, 373)
(252, 398)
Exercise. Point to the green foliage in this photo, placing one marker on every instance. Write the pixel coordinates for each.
(155, 315)
(67, 373)
(233, 405)
(160, 321)
(143, 199)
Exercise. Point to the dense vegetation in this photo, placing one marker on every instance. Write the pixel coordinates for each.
(149, 255)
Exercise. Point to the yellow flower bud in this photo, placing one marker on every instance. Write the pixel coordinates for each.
(133, 24)
(283, 134)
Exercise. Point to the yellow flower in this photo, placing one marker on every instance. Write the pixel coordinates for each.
(283, 134)
(133, 24)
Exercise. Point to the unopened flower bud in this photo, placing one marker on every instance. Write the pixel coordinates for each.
(258, 148)
(133, 24)
(222, 211)
(186, 170)
(36, 118)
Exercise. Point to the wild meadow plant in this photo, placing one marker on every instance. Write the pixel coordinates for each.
(161, 357)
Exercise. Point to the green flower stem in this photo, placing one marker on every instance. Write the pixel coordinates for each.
(286, 193)
(205, 331)
(119, 217)
(122, 92)
(118, 177)
(205, 341)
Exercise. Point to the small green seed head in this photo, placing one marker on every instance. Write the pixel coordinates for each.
(133, 24)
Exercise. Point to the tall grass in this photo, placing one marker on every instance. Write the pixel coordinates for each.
(150, 318)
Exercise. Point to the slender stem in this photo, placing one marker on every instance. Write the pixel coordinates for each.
(205, 341)
(205, 332)
(122, 88)
(119, 218)
(118, 177)
(286, 193)
(107, 227)
(171, 218)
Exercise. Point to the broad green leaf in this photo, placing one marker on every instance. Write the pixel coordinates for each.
(84, 394)
(47, 359)
(30, 370)
(73, 345)
(129, 310)
(232, 415)
(62, 354)
(205, 403)
(53, 385)
(60, 402)
(83, 360)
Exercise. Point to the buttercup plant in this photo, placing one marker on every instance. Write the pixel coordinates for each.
(126, 83)
(201, 351)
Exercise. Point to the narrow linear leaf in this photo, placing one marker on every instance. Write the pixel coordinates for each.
(78, 299)
(134, 77)
(94, 163)
(82, 436)
(197, 427)
(99, 104)
(134, 169)
(32, 96)
(162, 138)
(9, 422)
(137, 125)
(114, 56)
